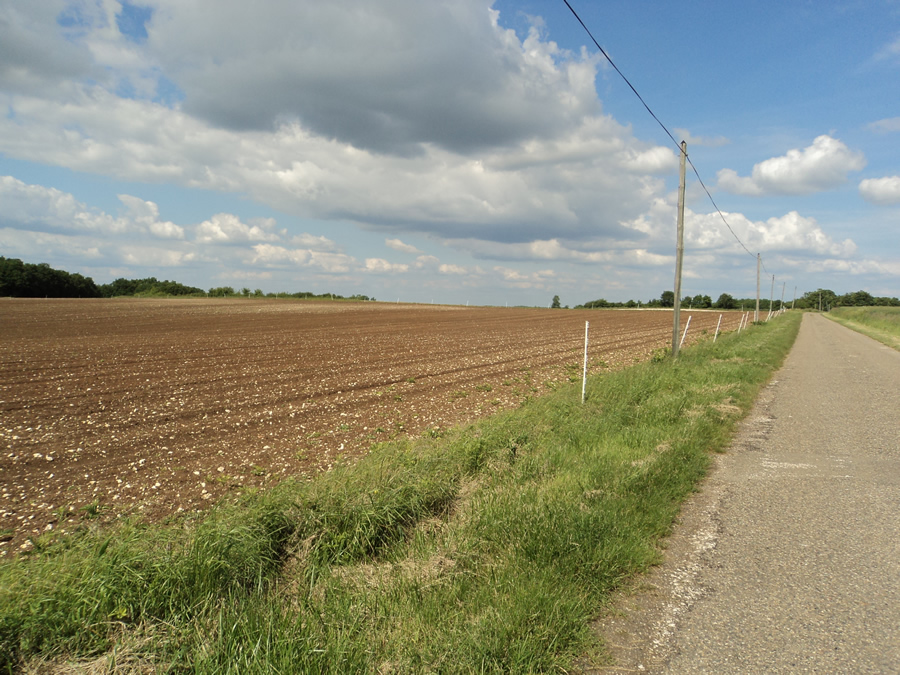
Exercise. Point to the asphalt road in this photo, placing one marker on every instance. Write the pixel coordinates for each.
(788, 561)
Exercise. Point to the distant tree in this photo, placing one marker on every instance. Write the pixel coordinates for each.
(811, 299)
(857, 299)
(725, 301)
(667, 299)
(701, 302)
(555, 304)
(221, 292)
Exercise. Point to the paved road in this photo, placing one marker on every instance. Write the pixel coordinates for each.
(789, 559)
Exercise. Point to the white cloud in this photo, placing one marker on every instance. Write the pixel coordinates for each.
(35, 55)
(383, 266)
(315, 243)
(226, 228)
(886, 125)
(26, 244)
(514, 278)
(554, 250)
(883, 191)
(42, 208)
(36, 207)
(707, 231)
(398, 245)
(152, 256)
(884, 268)
(146, 214)
(453, 269)
(824, 165)
(279, 256)
(426, 261)
(384, 76)
(504, 139)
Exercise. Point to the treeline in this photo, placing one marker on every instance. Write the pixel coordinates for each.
(25, 280)
(827, 299)
(820, 298)
(148, 287)
(229, 292)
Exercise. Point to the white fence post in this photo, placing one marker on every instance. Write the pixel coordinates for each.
(584, 371)
(687, 325)
(716, 336)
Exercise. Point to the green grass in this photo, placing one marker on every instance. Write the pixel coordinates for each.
(483, 549)
(880, 323)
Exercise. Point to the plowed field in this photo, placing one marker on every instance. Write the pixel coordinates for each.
(112, 407)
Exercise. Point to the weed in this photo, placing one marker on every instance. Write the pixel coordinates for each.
(660, 355)
(92, 510)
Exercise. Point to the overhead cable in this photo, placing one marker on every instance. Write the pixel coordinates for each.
(659, 122)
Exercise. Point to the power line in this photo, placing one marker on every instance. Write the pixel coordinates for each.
(659, 122)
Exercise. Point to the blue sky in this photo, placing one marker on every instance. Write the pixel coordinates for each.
(453, 151)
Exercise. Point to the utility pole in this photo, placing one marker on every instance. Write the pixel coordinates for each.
(783, 286)
(771, 298)
(756, 313)
(679, 255)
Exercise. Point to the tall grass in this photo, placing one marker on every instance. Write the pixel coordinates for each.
(488, 550)
(880, 323)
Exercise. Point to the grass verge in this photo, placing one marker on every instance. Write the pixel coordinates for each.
(879, 323)
(486, 550)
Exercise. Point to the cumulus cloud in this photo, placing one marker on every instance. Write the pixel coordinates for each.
(38, 207)
(398, 245)
(33, 57)
(824, 165)
(706, 231)
(146, 214)
(526, 280)
(555, 250)
(226, 228)
(882, 191)
(424, 261)
(278, 256)
(376, 138)
(452, 269)
(382, 265)
(152, 256)
(386, 76)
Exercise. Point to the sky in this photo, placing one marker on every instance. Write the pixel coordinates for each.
(454, 151)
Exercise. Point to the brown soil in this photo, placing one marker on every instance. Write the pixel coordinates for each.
(153, 407)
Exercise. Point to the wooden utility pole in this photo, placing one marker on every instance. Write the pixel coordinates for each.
(783, 287)
(771, 298)
(756, 313)
(679, 255)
